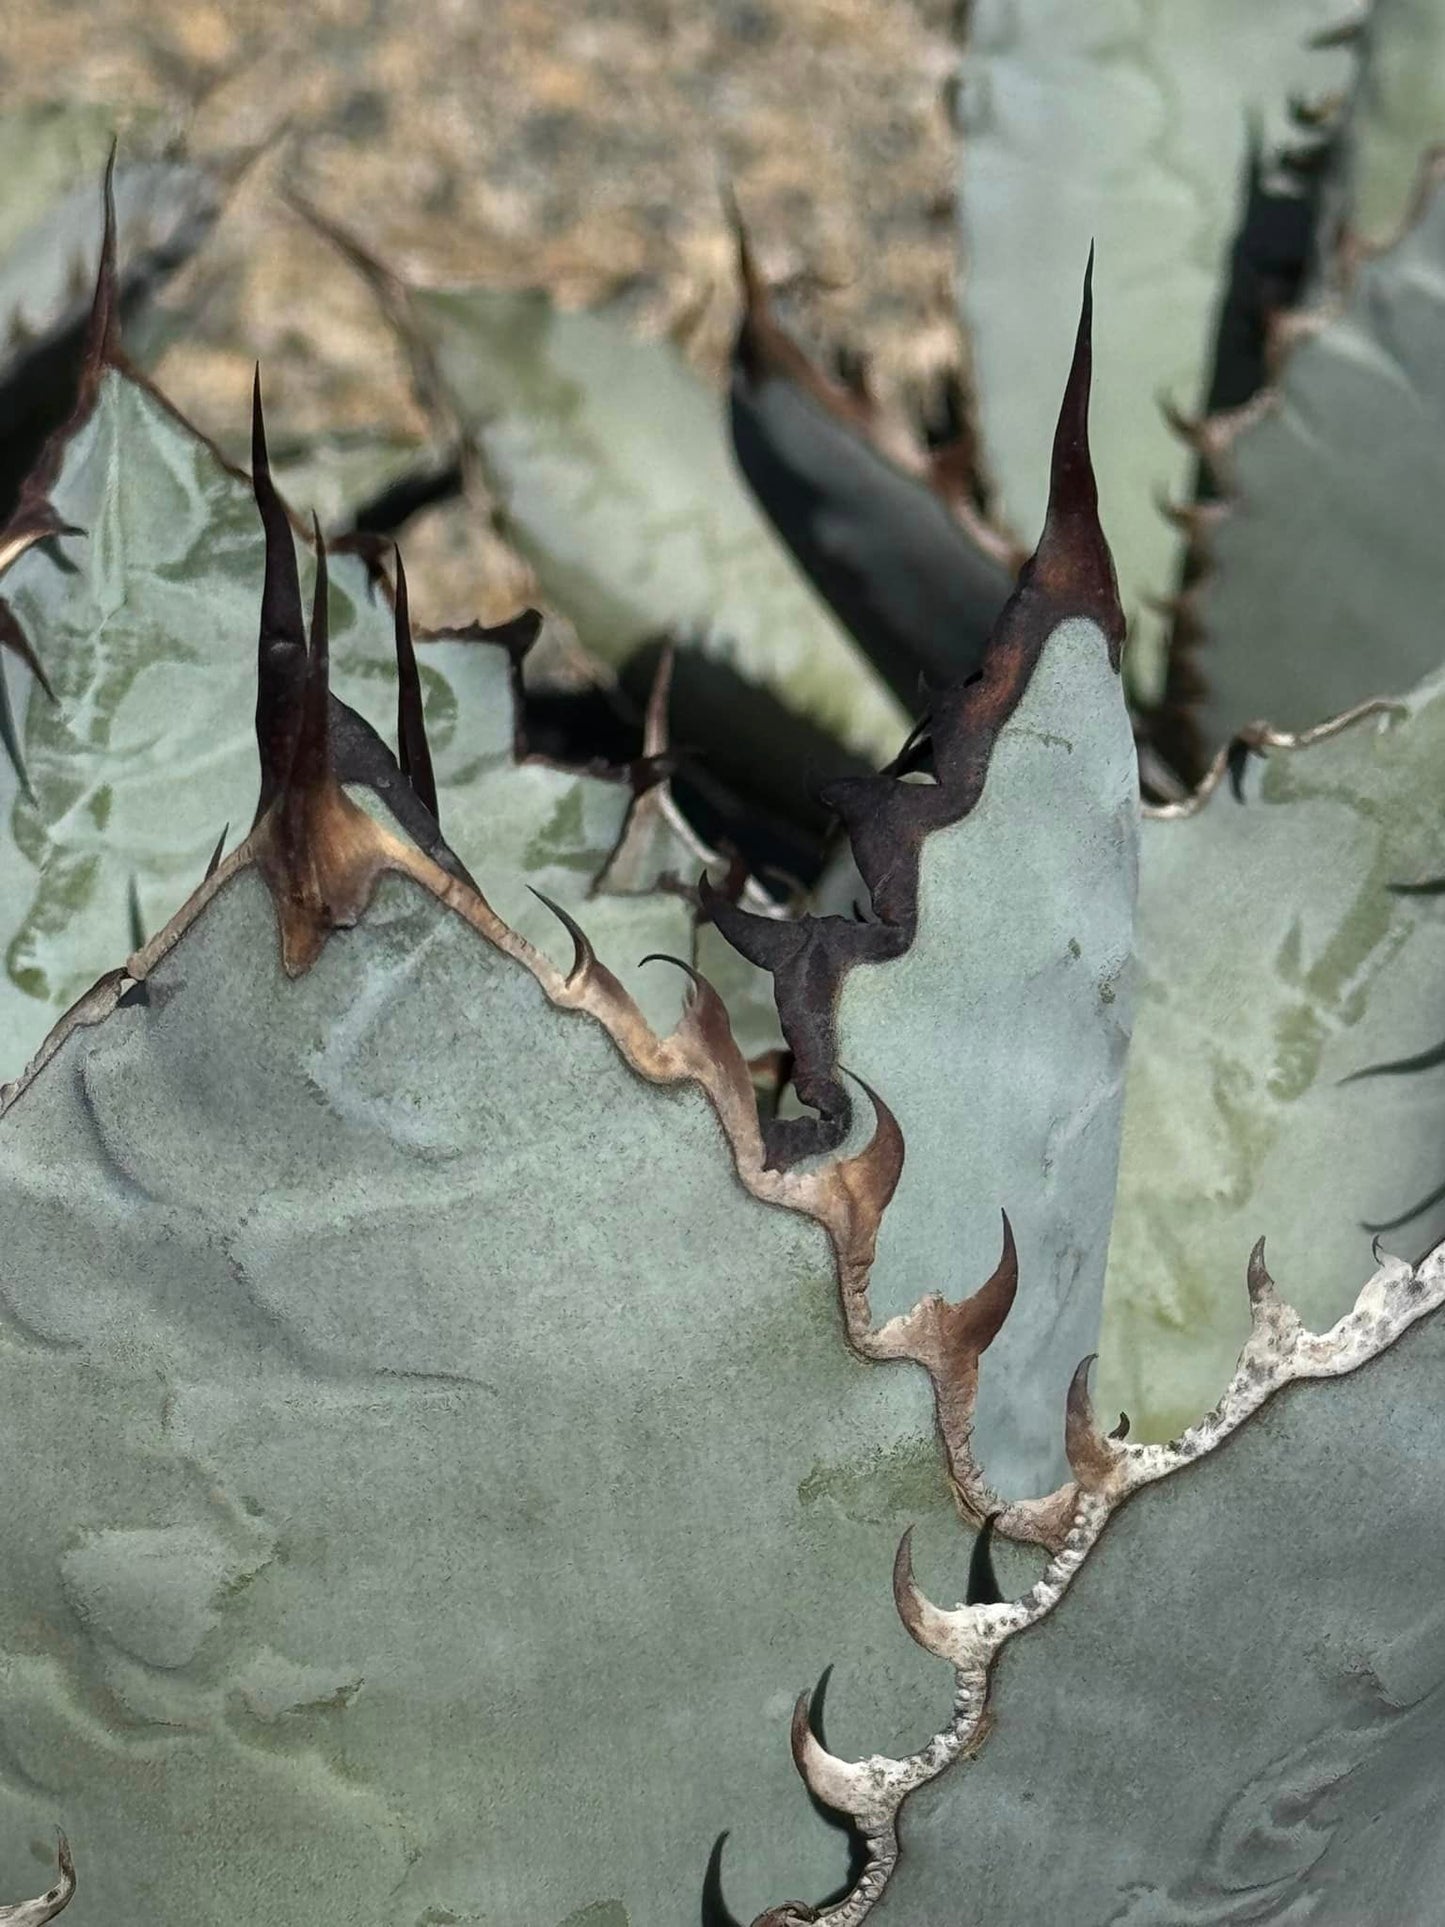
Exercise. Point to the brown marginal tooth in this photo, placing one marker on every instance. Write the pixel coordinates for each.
(872, 1175)
(993, 1301)
(584, 957)
(1257, 1280)
(215, 862)
(413, 750)
(706, 1012)
(1092, 1457)
(948, 1341)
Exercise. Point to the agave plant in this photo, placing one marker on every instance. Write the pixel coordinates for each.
(493, 1289)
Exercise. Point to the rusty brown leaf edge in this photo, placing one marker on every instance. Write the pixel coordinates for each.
(360, 754)
(1279, 1351)
(321, 857)
(888, 816)
(764, 347)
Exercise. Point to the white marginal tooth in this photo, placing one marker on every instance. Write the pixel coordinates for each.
(34, 1913)
(843, 1785)
(957, 1636)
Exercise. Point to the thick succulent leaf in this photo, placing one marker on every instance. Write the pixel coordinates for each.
(1126, 125)
(915, 587)
(609, 462)
(51, 162)
(982, 988)
(47, 272)
(146, 627)
(1399, 114)
(1321, 583)
(999, 1041)
(1276, 962)
(1230, 1712)
(441, 1472)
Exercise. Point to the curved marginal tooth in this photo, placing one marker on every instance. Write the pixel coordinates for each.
(1257, 1279)
(1272, 1319)
(871, 1175)
(929, 1626)
(584, 957)
(839, 1784)
(706, 1014)
(34, 1913)
(1092, 1457)
(991, 1304)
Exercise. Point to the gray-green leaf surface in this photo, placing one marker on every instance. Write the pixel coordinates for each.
(1124, 123)
(147, 629)
(1326, 578)
(1234, 1715)
(441, 1474)
(999, 1042)
(1276, 961)
(609, 459)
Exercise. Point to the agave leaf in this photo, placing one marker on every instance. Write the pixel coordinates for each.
(402, 1533)
(1320, 584)
(50, 241)
(145, 627)
(983, 988)
(607, 459)
(916, 586)
(1226, 1709)
(1276, 963)
(1128, 126)
(1398, 116)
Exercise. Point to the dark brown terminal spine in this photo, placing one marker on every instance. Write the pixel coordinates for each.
(1070, 573)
